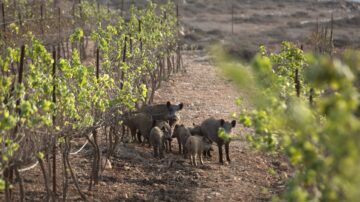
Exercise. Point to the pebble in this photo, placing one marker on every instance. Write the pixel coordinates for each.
(284, 175)
(283, 166)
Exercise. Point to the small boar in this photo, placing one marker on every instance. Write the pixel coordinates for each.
(210, 128)
(172, 124)
(168, 141)
(158, 137)
(142, 122)
(181, 133)
(196, 130)
(195, 146)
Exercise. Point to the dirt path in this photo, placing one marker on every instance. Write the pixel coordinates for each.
(137, 176)
(205, 94)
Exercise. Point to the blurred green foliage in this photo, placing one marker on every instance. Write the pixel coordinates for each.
(321, 140)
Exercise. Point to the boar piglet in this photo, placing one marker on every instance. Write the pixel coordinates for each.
(181, 133)
(195, 146)
(159, 134)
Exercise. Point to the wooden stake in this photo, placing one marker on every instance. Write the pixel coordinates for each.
(97, 63)
(297, 83)
(3, 17)
(54, 119)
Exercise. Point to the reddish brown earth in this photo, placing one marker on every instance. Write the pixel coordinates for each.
(137, 176)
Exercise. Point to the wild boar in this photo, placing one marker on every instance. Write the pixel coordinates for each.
(158, 137)
(195, 146)
(210, 129)
(181, 133)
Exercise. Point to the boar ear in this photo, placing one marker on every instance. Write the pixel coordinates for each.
(168, 104)
(222, 122)
(233, 123)
(181, 105)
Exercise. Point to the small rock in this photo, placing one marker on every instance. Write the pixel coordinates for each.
(107, 164)
(127, 168)
(102, 183)
(125, 196)
(284, 176)
(276, 163)
(283, 166)
(217, 194)
(196, 176)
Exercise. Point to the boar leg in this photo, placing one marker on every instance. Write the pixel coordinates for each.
(201, 158)
(165, 145)
(191, 159)
(208, 153)
(161, 152)
(139, 137)
(227, 151)
(180, 146)
(185, 152)
(155, 151)
(169, 141)
(133, 133)
(220, 154)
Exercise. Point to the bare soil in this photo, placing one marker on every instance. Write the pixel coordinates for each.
(137, 176)
(259, 22)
